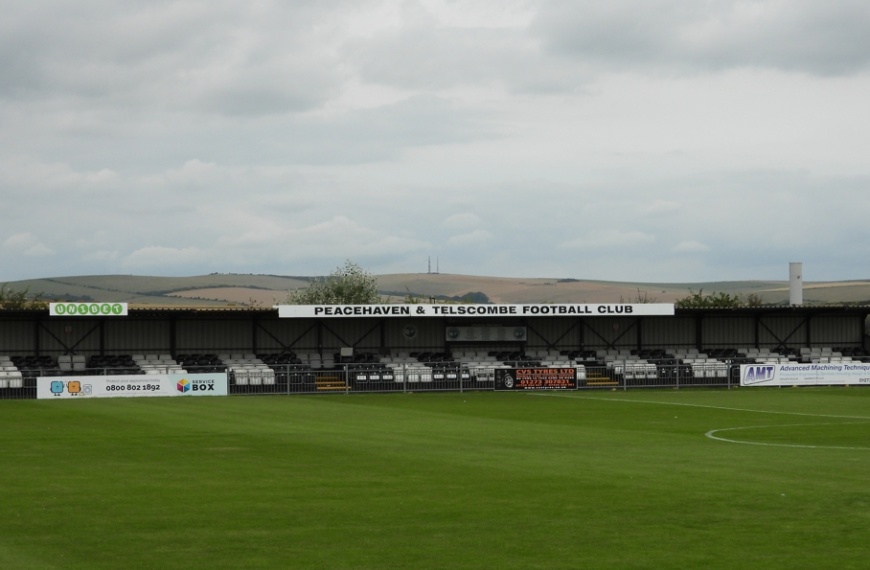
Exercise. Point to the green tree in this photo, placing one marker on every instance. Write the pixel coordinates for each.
(642, 297)
(347, 285)
(711, 300)
(13, 300)
(754, 300)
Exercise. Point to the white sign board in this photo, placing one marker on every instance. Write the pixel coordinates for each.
(87, 309)
(800, 374)
(475, 310)
(131, 385)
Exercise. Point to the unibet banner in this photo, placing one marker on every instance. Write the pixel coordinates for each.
(476, 310)
(87, 309)
(131, 386)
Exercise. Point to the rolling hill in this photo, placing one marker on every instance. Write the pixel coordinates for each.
(221, 289)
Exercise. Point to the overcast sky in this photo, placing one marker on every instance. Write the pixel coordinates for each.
(652, 141)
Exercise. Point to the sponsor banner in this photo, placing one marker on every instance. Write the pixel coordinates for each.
(87, 309)
(131, 385)
(536, 379)
(800, 374)
(475, 310)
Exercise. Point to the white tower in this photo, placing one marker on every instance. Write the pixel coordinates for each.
(795, 283)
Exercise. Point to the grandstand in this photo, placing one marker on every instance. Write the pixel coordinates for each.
(261, 352)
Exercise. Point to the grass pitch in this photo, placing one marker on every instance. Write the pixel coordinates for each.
(764, 478)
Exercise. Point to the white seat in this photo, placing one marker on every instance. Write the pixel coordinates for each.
(268, 376)
(64, 362)
(241, 376)
(254, 376)
(16, 380)
(78, 362)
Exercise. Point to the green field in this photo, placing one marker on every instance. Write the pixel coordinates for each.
(766, 478)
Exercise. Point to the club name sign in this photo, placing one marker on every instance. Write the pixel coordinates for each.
(536, 379)
(476, 310)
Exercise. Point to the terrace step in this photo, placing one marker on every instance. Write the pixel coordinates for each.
(330, 383)
(600, 380)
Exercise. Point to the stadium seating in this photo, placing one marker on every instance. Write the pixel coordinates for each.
(248, 369)
(113, 364)
(463, 366)
(195, 362)
(157, 364)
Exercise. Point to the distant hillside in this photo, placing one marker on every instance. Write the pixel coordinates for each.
(267, 290)
(205, 290)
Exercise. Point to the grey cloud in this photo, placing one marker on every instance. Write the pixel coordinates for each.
(747, 222)
(365, 135)
(438, 58)
(357, 136)
(218, 57)
(378, 134)
(808, 36)
(252, 101)
(185, 137)
(425, 55)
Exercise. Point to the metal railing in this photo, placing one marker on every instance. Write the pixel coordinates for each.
(406, 377)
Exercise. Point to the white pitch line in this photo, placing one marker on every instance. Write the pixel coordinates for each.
(711, 434)
(707, 406)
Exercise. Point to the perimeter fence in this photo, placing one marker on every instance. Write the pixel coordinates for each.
(347, 379)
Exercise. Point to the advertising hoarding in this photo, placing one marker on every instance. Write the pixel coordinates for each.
(129, 386)
(536, 378)
(805, 374)
(87, 309)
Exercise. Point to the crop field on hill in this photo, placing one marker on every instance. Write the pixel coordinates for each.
(763, 478)
(263, 291)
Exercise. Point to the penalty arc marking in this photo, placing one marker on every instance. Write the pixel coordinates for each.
(713, 434)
